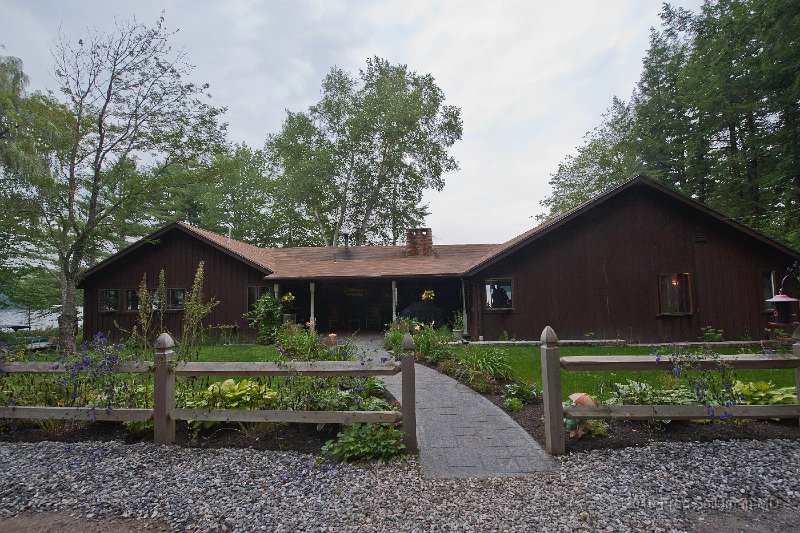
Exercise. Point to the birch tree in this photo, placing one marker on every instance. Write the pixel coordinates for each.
(360, 159)
(124, 116)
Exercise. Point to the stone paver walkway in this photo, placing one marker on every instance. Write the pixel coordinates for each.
(461, 433)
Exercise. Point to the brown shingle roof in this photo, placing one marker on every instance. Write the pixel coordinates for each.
(361, 261)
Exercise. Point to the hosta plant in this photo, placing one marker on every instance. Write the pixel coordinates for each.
(763, 393)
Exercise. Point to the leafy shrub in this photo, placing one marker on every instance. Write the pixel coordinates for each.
(522, 391)
(297, 342)
(431, 344)
(393, 340)
(449, 367)
(709, 334)
(267, 316)
(597, 428)
(364, 442)
(229, 394)
(482, 383)
(763, 393)
(492, 362)
(638, 393)
(512, 405)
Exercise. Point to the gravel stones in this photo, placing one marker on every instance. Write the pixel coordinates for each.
(660, 487)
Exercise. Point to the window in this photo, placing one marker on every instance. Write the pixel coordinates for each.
(768, 291)
(175, 298)
(254, 293)
(131, 300)
(673, 294)
(109, 300)
(499, 294)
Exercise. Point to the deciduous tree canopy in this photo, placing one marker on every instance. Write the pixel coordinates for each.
(360, 158)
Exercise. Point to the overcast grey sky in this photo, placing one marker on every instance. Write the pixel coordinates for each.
(531, 77)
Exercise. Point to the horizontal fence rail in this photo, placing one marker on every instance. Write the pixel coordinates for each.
(289, 368)
(165, 370)
(54, 367)
(555, 412)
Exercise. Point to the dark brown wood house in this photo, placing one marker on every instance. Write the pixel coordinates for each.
(639, 262)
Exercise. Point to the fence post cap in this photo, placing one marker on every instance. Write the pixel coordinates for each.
(549, 335)
(164, 341)
(408, 342)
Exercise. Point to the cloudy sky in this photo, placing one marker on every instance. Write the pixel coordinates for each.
(531, 77)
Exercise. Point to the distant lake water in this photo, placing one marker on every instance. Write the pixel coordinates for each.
(19, 316)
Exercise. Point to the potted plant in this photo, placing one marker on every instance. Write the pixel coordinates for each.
(458, 325)
(289, 316)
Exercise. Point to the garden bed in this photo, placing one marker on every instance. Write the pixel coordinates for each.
(629, 433)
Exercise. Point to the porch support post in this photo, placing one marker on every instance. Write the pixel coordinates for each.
(394, 301)
(313, 318)
(276, 290)
(464, 306)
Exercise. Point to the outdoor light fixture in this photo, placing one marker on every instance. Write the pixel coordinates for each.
(784, 305)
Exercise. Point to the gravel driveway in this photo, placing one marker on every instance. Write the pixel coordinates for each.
(664, 486)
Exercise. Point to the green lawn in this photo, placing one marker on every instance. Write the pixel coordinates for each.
(242, 352)
(526, 366)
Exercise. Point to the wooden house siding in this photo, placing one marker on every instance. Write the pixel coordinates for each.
(598, 274)
(178, 254)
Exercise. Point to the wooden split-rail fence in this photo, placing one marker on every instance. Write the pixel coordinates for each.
(555, 412)
(164, 413)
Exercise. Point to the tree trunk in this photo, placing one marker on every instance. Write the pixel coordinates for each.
(68, 320)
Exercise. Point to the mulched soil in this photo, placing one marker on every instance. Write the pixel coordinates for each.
(630, 433)
(306, 438)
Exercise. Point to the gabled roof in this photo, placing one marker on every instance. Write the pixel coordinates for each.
(563, 218)
(247, 253)
(327, 262)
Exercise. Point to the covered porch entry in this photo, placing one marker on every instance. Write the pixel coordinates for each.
(367, 305)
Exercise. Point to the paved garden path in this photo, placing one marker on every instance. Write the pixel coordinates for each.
(461, 433)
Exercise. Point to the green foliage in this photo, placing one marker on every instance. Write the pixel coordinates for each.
(297, 342)
(364, 442)
(763, 393)
(711, 386)
(194, 311)
(638, 393)
(597, 428)
(89, 168)
(709, 334)
(714, 115)
(492, 362)
(522, 391)
(512, 404)
(458, 321)
(139, 428)
(267, 316)
(87, 380)
(360, 159)
(229, 394)
(430, 344)
(393, 340)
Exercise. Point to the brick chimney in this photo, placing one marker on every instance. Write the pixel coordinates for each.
(419, 242)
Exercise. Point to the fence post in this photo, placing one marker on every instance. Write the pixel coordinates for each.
(796, 352)
(409, 404)
(551, 379)
(164, 391)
